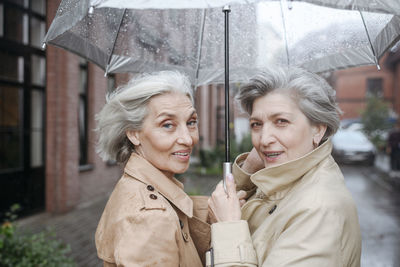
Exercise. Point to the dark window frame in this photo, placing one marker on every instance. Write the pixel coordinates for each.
(83, 137)
(374, 87)
(26, 184)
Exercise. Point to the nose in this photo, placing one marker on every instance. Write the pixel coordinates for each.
(267, 136)
(184, 136)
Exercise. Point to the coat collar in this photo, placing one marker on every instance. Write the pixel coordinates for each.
(142, 170)
(276, 180)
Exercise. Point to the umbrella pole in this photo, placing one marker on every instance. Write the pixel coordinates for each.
(227, 165)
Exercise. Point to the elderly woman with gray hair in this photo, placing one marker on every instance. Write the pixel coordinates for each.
(150, 126)
(298, 211)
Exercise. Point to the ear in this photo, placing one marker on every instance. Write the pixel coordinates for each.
(318, 132)
(133, 136)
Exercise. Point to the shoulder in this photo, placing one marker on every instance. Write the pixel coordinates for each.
(324, 189)
(134, 198)
(133, 209)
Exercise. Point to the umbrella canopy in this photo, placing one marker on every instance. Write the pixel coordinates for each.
(143, 36)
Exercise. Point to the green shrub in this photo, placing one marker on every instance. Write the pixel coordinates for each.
(19, 249)
(375, 120)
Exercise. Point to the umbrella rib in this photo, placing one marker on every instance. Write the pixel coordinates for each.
(203, 19)
(284, 34)
(369, 40)
(115, 41)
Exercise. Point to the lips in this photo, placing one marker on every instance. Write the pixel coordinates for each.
(272, 155)
(183, 154)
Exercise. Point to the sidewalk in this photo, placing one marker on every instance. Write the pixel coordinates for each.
(382, 164)
(75, 228)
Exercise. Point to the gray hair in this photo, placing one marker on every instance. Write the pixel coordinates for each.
(314, 96)
(126, 109)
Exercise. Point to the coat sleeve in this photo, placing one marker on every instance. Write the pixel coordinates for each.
(148, 239)
(231, 249)
(310, 239)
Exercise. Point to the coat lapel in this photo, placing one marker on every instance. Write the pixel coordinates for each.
(139, 168)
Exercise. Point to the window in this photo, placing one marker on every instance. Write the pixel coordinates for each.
(37, 128)
(11, 154)
(39, 6)
(82, 114)
(38, 31)
(11, 67)
(111, 83)
(22, 104)
(15, 25)
(374, 87)
(38, 70)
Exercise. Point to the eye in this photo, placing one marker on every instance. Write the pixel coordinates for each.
(282, 122)
(167, 125)
(255, 125)
(192, 123)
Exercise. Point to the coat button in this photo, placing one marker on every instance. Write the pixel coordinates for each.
(181, 224)
(272, 210)
(186, 237)
(150, 188)
(152, 196)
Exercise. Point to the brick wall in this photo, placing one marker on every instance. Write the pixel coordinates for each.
(351, 85)
(100, 180)
(66, 186)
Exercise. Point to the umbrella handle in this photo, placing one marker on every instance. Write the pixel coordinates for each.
(226, 169)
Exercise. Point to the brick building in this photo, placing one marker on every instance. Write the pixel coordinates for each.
(47, 104)
(353, 86)
(393, 64)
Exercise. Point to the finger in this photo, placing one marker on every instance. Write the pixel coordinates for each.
(241, 194)
(230, 185)
(219, 189)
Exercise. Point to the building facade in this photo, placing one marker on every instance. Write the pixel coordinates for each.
(353, 87)
(48, 100)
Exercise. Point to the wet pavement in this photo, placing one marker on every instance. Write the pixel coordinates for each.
(378, 204)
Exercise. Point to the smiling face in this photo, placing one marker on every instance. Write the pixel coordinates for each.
(280, 131)
(168, 133)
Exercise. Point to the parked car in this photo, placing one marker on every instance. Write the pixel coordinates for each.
(353, 146)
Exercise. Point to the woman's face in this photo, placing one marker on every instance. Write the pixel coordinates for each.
(280, 131)
(168, 133)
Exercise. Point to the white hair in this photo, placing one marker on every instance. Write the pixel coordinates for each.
(126, 108)
(314, 96)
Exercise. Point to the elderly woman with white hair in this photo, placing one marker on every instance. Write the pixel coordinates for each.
(298, 211)
(150, 126)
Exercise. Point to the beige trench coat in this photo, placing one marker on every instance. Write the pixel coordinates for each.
(299, 214)
(150, 221)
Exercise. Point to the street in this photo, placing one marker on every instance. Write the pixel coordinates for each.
(378, 207)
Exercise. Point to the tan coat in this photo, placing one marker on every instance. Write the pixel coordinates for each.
(300, 214)
(150, 221)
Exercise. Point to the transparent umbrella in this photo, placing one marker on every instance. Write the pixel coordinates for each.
(188, 35)
(141, 36)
